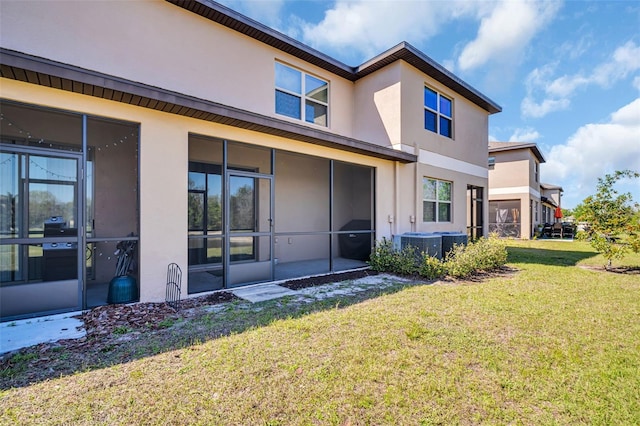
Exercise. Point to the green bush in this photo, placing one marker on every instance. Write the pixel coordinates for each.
(382, 255)
(431, 268)
(406, 261)
(462, 261)
(483, 254)
(385, 258)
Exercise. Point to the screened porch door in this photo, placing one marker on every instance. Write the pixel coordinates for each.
(249, 228)
(40, 218)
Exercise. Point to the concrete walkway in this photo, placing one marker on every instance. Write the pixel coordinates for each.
(15, 335)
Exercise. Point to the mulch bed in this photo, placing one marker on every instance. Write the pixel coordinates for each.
(301, 283)
(103, 320)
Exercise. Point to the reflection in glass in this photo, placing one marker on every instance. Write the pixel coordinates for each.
(316, 88)
(242, 248)
(10, 211)
(288, 78)
(205, 251)
(242, 204)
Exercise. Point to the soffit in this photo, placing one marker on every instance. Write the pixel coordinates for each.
(44, 72)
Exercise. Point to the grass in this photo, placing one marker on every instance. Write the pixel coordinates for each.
(554, 343)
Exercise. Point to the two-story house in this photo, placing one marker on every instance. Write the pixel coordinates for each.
(518, 202)
(139, 134)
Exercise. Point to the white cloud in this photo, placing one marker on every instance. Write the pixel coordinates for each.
(526, 134)
(267, 12)
(370, 27)
(531, 108)
(506, 31)
(594, 150)
(624, 61)
(636, 82)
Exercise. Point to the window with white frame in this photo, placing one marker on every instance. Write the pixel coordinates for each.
(301, 96)
(436, 200)
(438, 113)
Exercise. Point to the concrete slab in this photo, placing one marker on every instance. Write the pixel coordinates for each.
(262, 292)
(22, 333)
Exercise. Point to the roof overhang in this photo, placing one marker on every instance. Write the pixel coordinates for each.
(44, 72)
(406, 52)
(512, 146)
(403, 51)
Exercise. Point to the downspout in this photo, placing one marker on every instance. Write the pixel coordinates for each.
(417, 192)
(393, 221)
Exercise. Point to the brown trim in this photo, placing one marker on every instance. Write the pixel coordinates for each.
(44, 72)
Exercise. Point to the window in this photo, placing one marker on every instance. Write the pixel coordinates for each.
(301, 96)
(536, 171)
(438, 113)
(436, 200)
(492, 163)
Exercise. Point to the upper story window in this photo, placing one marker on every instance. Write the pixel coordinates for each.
(301, 96)
(492, 163)
(536, 171)
(438, 113)
(436, 200)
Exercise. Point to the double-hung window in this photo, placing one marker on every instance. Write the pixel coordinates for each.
(301, 96)
(436, 200)
(438, 113)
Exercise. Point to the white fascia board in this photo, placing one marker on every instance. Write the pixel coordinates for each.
(514, 190)
(436, 160)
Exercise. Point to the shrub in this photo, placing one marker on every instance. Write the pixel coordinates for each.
(462, 261)
(483, 254)
(431, 267)
(381, 259)
(385, 258)
(406, 261)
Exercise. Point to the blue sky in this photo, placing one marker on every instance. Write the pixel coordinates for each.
(566, 73)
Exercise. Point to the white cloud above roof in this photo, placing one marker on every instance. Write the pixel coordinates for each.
(557, 92)
(506, 31)
(594, 150)
(370, 27)
(527, 134)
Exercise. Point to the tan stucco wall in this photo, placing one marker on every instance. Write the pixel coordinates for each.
(378, 103)
(513, 169)
(162, 45)
(163, 169)
(470, 122)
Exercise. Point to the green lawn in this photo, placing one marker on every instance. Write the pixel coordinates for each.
(556, 342)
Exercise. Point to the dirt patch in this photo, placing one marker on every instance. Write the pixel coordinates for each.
(301, 283)
(627, 270)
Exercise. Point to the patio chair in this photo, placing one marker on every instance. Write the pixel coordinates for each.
(568, 230)
(556, 230)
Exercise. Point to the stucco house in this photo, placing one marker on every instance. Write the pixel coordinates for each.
(183, 132)
(518, 201)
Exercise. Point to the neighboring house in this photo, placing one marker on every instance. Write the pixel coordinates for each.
(550, 197)
(185, 132)
(518, 202)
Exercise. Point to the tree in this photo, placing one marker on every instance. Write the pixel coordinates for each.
(613, 221)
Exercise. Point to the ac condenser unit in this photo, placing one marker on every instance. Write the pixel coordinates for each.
(430, 244)
(449, 239)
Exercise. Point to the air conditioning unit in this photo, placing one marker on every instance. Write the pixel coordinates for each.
(449, 239)
(430, 244)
